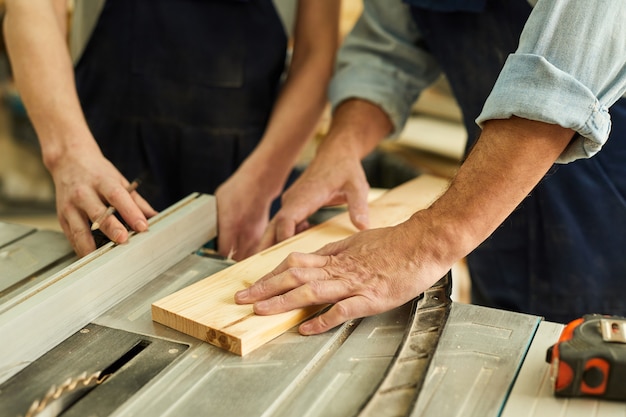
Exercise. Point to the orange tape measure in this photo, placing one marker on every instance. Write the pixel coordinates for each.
(590, 358)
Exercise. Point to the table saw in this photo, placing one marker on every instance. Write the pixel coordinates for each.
(64, 321)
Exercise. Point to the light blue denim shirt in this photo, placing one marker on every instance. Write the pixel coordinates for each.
(379, 61)
(570, 67)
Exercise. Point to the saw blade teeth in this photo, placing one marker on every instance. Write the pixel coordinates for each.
(50, 392)
(69, 385)
(58, 391)
(33, 410)
(81, 379)
(94, 378)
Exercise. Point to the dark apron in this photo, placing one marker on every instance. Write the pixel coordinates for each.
(180, 91)
(561, 253)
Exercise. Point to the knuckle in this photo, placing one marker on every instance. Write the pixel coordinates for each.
(260, 288)
(281, 300)
(342, 311)
(77, 193)
(316, 289)
(293, 260)
(332, 262)
(77, 233)
(298, 275)
(95, 212)
(116, 194)
(323, 322)
(63, 202)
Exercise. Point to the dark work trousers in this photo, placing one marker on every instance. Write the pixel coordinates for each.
(180, 91)
(561, 253)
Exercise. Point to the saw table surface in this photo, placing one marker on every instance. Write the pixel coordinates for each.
(487, 363)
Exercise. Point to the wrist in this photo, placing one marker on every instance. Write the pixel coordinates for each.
(356, 129)
(441, 241)
(265, 178)
(56, 151)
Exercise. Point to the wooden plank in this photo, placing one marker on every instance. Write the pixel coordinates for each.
(206, 310)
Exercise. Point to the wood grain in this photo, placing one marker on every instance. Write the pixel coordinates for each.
(206, 310)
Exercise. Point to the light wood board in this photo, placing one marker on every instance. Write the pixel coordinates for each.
(206, 310)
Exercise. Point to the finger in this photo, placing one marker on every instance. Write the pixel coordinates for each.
(239, 240)
(143, 205)
(317, 291)
(301, 227)
(225, 245)
(225, 228)
(295, 270)
(356, 197)
(285, 228)
(348, 309)
(295, 212)
(67, 231)
(358, 209)
(114, 229)
(276, 288)
(297, 260)
(79, 232)
(269, 237)
(246, 247)
(120, 198)
(225, 242)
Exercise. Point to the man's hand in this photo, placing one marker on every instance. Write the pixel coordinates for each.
(335, 175)
(360, 275)
(326, 182)
(85, 185)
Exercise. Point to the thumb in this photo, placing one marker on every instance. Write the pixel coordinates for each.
(269, 237)
(358, 208)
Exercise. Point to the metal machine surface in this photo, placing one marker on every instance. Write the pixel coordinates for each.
(91, 316)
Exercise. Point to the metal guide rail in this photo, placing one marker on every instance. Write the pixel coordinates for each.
(28, 256)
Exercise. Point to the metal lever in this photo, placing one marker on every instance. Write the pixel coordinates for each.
(613, 330)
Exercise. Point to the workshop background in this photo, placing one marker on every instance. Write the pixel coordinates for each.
(432, 142)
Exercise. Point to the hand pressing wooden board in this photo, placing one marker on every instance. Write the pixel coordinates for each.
(206, 310)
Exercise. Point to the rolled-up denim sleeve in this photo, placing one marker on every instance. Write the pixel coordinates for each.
(569, 69)
(381, 61)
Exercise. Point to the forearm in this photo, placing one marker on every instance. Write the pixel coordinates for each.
(35, 36)
(356, 129)
(292, 124)
(508, 160)
(303, 97)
